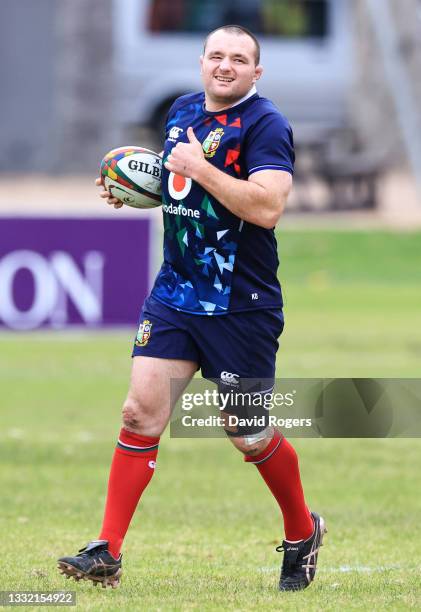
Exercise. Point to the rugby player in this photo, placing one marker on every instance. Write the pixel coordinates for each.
(228, 159)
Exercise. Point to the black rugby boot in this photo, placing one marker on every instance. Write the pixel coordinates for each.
(300, 558)
(93, 562)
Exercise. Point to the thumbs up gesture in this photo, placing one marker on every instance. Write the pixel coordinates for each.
(192, 138)
(186, 157)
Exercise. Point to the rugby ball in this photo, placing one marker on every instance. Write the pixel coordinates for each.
(133, 175)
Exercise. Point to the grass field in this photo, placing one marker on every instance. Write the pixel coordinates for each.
(204, 535)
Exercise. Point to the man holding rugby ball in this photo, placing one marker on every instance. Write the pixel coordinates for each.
(228, 160)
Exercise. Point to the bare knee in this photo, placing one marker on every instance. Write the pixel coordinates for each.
(255, 444)
(132, 413)
(141, 417)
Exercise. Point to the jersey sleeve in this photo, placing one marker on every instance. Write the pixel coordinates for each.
(269, 145)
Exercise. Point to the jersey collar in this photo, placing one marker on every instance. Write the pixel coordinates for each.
(252, 92)
(248, 95)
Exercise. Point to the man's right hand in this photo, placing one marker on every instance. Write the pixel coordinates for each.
(107, 195)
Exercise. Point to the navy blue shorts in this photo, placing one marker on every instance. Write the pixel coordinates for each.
(242, 344)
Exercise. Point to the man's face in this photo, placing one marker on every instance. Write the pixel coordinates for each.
(228, 68)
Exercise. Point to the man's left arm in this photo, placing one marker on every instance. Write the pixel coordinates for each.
(259, 200)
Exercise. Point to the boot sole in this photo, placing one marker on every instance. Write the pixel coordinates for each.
(77, 574)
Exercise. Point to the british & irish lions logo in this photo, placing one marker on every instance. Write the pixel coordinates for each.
(212, 142)
(143, 333)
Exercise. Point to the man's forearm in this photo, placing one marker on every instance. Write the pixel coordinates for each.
(249, 201)
(259, 200)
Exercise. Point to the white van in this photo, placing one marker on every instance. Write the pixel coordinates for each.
(306, 54)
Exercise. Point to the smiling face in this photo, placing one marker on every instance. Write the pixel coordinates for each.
(228, 68)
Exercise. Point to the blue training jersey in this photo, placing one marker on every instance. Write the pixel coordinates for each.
(214, 262)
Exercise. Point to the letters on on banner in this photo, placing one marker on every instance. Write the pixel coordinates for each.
(61, 272)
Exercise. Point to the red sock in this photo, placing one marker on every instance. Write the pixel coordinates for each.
(278, 465)
(132, 468)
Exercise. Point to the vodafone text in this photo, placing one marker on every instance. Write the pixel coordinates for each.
(181, 210)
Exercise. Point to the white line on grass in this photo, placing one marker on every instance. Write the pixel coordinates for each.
(363, 569)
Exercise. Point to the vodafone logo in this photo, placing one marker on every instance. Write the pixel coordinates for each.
(178, 186)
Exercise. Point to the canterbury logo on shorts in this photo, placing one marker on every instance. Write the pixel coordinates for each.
(230, 379)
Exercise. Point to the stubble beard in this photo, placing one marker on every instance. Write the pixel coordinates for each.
(228, 99)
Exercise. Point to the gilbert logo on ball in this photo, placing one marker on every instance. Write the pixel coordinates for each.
(133, 175)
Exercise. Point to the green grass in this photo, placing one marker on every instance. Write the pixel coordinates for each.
(352, 304)
(204, 535)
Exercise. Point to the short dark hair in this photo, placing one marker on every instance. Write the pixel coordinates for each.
(237, 29)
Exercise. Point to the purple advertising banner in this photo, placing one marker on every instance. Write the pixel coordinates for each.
(57, 272)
